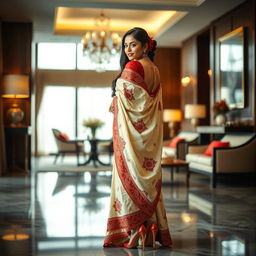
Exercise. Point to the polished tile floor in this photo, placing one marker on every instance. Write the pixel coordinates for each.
(62, 210)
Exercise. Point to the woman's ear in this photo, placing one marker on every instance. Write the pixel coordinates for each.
(145, 48)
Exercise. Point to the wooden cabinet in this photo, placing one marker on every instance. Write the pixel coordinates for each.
(18, 149)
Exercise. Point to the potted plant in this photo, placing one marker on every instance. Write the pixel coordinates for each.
(220, 108)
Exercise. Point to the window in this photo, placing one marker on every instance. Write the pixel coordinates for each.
(94, 103)
(233, 247)
(56, 56)
(69, 56)
(58, 110)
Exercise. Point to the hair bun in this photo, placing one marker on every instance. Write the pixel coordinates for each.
(152, 48)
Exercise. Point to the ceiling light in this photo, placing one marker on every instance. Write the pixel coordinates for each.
(101, 44)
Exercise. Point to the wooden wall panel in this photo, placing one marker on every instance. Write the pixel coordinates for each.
(17, 38)
(3, 166)
(203, 81)
(194, 61)
(16, 42)
(168, 61)
(189, 68)
(195, 64)
(16, 59)
(241, 16)
(245, 16)
(1, 65)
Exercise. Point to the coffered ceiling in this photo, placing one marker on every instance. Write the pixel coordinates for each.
(170, 21)
(75, 21)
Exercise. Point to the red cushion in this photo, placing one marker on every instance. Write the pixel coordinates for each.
(63, 136)
(215, 144)
(174, 141)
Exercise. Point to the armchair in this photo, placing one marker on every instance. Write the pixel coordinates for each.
(180, 150)
(67, 146)
(239, 157)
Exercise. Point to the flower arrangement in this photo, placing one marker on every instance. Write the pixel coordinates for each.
(220, 107)
(93, 124)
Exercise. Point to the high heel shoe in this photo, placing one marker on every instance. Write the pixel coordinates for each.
(153, 229)
(133, 243)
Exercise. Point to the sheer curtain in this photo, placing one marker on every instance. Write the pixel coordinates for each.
(58, 110)
(94, 103)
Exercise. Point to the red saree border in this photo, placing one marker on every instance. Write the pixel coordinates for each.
(132, 221)
(132, 76)
(163, 236)
(138, 197)
(127, 221)
(109, 240)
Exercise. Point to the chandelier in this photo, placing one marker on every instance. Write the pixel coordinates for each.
(101, 44)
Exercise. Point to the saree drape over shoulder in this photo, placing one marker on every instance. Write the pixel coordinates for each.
(137, 178)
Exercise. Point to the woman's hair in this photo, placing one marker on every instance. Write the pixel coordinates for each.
(141, 35)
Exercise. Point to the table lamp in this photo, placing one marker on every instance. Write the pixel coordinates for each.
(15, 87)
(172, 116)
(15, 243)
(194, 112)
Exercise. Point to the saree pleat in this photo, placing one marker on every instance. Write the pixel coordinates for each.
(137, 178)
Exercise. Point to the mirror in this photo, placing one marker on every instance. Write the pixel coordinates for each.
(231, 68)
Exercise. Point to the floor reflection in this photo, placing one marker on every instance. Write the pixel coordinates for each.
(68, 207)
(65, 213)
(137, 252)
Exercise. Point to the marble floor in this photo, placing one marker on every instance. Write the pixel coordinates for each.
(62, 210)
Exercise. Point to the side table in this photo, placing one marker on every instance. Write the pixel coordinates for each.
(176, 163)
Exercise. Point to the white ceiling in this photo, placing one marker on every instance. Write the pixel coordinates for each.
(76, 21)
(42, 13)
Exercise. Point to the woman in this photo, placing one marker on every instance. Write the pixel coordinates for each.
(136, 197)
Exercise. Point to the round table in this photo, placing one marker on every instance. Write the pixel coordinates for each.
(94, 153)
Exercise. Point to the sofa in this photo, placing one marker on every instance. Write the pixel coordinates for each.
(239, 157)
(179, 151)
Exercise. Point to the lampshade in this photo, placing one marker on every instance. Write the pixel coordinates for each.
(195, 111)
(15, 86)
(172, 115)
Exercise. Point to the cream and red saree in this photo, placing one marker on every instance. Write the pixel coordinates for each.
(137, 134)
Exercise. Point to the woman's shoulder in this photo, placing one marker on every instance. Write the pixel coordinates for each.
(136, 66)
(146, 62)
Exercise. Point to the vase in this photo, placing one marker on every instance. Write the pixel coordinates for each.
(221, 119)
(15, 115)
(93, 132)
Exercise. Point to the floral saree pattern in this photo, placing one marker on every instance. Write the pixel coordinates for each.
(136, 180)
